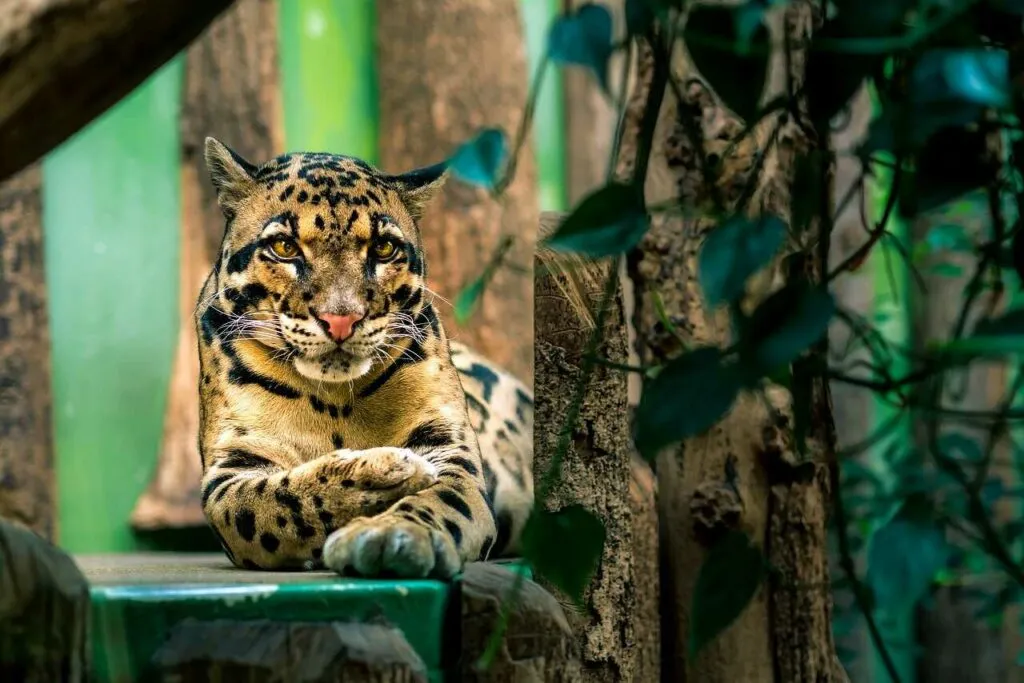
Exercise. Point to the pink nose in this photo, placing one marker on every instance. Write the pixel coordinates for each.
(340, 326)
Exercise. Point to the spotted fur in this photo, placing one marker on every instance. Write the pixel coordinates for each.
(392, 452)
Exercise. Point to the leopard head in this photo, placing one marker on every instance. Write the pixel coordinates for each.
(321, 259)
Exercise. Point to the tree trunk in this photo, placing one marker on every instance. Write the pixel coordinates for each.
(449, 69)
(784, 633)
(27, 484)
(230, 92)
(618, 632)
(65, 62)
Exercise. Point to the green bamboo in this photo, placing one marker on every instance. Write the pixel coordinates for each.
(328, 76)
(548, 127)
(111, 222)
(891, 317)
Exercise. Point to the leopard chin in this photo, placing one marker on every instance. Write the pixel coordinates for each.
(335, 367)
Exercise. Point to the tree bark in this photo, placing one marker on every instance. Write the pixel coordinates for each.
(65, 62)
(27, 482)
(618, 631)
(451, 68)
(784, 633)
(230, 92)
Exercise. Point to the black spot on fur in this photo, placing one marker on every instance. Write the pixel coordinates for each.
(454, 531)
(302, 197)
(462, 463)
(241, 259)
(433, 434)
(288, 500)
(249, 564)
(282, 521)
(212, 486)
(456, 502)
(327, 519)
(287, 192)
(239, 459)
(318, 405)
(504, 523)
(261, 486)
(511, 426)
(337, 441)
(322, 478)
(240, 374)
(245, 524)
(346, 411)
(484, 375)
(269, 542)
(319, 222)
(347, 483)
(485, 549)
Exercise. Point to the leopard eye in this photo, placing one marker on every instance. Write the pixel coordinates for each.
(284, 248)
(385, 250)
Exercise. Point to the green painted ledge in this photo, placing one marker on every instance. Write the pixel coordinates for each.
(138, 598)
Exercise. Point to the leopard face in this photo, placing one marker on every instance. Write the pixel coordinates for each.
(322, 259)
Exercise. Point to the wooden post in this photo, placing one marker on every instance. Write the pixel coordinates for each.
(448, 69)
(230, 91)
(27, 484)
(44, 611)
(618, 634)
(65, 62)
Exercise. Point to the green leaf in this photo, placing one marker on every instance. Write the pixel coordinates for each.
(690, 394)
(734, 251)
(564, 547)
(737, 70)
(960, 447)
(583, 38)
(948, 237)
(977, 76)
(904, 557)
(944, 269)
(468, 298)
(785, 324)
(993, 336)
(610, 221)
(480, 160)
(726, 583)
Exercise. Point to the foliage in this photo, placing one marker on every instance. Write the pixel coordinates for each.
(727, 581)
(947, 138)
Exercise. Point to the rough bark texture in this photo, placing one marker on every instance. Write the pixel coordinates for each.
(784, 634)
(27, 485)
(230, 92)
(618, 632)
(451, 68)
(538, 646)
(265, 651)
(64, 62)
(44, 611)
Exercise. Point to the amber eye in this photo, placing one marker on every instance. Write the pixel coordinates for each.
(284, 248)
(385, 250)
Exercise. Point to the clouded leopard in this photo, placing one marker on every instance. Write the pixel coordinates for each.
(339, 427)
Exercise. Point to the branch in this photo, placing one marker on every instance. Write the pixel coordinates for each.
(65, 62)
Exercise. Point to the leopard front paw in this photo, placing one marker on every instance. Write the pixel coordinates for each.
(389, 545)
(398, 471)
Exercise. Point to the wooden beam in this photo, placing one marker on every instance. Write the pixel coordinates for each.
(65, 62)
(231, 92)
(27, 483)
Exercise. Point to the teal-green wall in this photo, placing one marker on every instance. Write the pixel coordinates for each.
(111, 221)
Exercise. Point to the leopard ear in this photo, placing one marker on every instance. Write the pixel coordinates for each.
(420, 186)
(233, 177)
